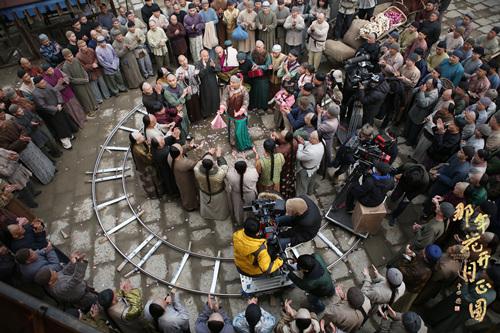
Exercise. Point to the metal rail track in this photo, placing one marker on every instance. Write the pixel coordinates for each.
(153, 241)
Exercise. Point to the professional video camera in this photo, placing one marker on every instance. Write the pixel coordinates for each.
(358, 69)
(266, 211)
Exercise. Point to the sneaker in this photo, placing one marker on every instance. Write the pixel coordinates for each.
(66, 143)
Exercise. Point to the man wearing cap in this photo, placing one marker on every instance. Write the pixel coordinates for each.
(454, 39)
(124, 48)
(266, 25)
(317, 33)
(392, 60)
(109, 61)
(490, 42)
(294, 26)
(88, 59)
(419, 42)
(49, 103)
(148, 9)
(105, 17)
(247, 19)
(431, 231)
(137, 41)
(381, 289)
(50, 50)
(452, 69)
(194, 25)
(416, 267)
(79, 80)
(478, 84)
(372, 191)
(472, 63)
(434, 60)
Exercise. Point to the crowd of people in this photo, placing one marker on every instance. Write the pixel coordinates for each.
(234, 60)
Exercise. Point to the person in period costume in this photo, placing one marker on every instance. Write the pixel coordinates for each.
(12, 138)
(260, 86)
(143, 162)
(60, 81)
(128, 63)
(71, 37)
(35, 128)
(49, 104)
(79, 80)
(289, 69)
(29, 68)
(109, 61)
(281, 15)
(188, 75)
(309, 156)
(160, 150)
(247, 19)
(287, 145)
(266, 24)
(235, 102)
(50, 50)
(220, 6)
(210, 19)
(209, 92)
(88, 59)
(241, 186)
(194, 25)
(183, 169)
(27, 85)
(318, 33)
(160, 19)
(227, 60)
(269, 167)
(139, 24)
(137, 41)
(152, 96)
(176, 94)
(157, 40)
(230, 17)
(277, 58)
(176, 33)
(210, 173)
(294, 26)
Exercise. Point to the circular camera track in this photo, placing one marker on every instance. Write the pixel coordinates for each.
(150, 244)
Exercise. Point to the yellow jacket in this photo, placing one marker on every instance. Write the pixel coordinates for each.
(245, 251)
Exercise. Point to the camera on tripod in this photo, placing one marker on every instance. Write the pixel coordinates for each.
(359, 70)
(266, 211)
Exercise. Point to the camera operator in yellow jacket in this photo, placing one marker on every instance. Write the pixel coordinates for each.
(251, 254)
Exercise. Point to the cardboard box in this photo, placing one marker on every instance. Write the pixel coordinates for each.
(368, 219)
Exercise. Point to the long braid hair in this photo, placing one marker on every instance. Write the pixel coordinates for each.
(269, 147)
(289, 140)
(241, 168)
(174, 153)
(208, 164)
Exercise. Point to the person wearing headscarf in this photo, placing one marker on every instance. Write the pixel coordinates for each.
(188, 75)
(235, 103)
(209, 91)
(88, 59)
(254, 319)
(124, 48)
(247, 19)
(183, 169)
(49, 103)
(210, 173)
(61, 82)
(241, 186)
(260, 86)
(297, 321)
(79, 80)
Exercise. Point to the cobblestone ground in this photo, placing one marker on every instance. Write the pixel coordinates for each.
(66, 206)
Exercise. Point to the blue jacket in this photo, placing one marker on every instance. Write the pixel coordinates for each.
(296, 117)
(451, 72)
(455, 171)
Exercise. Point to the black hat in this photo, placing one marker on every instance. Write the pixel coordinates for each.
(469, 152)
(191, 5)
(320, 76)
(479, 50)
(485, 67)
(253, 314)
(45, 66)
(308, 86)
(130, 24)
(420, 51)
(294, 52)
(442, 44)
(20, 73)
(355, 297)
(37, 79)
(105, 298)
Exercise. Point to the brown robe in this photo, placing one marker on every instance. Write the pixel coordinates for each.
(177, 42)
(185, 179)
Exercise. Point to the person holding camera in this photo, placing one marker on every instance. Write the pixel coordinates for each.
(372, 96)
(316, 280)
(372, 191)
(251, 252)
(304, 219)
(309, 156)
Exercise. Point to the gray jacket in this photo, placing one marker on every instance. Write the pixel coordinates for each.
(45, 259)
(423, 105)
(378, 290)
(70, 286)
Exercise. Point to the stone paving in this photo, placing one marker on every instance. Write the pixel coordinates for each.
(66, 206)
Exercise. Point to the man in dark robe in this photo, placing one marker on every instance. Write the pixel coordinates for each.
(209, 91)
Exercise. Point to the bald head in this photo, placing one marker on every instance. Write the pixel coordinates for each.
(314, 137)
(147, 88)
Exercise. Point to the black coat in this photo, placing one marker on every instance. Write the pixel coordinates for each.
(373, 98)
(147, 12)
(150, 100)
(304, 227)
(432, 30)
(373, 190)
(443, 146)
